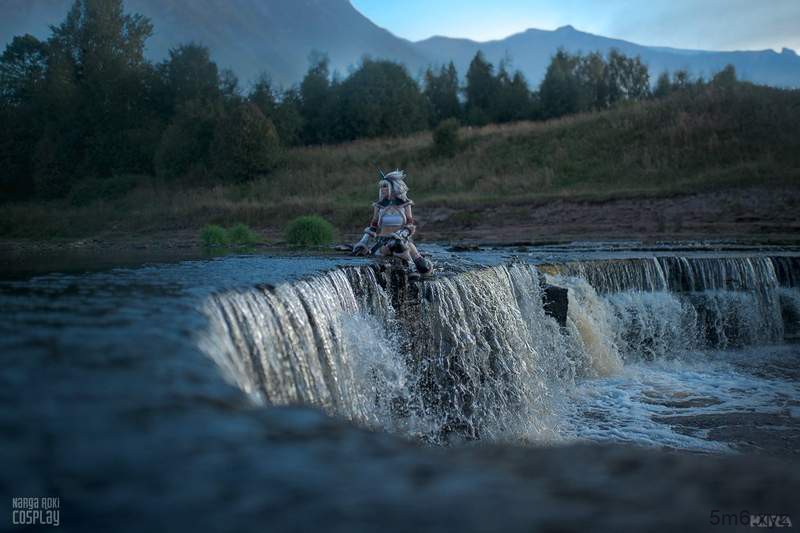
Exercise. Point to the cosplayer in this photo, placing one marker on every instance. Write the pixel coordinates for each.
(393, 225)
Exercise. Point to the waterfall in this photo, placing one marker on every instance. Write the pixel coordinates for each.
(328, 341)
(474, 355)
(665, 304)
(617, 275)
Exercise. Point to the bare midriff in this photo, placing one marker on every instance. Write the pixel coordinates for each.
(385, 231)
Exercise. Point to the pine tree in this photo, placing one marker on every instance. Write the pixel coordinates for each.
(560, 90)
(441, 92)
(481, 90)
(315, 100)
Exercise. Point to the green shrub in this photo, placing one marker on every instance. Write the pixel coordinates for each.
(445, 137)
(213, 235)
(242, 234)
(310, 230)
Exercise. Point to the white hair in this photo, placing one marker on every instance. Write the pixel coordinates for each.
(397, 184)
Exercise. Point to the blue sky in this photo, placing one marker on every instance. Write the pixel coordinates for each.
(699, 24)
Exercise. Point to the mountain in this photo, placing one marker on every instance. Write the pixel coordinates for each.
(248, 36)
(530, 52)
(277, 36)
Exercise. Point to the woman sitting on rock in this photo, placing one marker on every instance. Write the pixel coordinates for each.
(392, 225)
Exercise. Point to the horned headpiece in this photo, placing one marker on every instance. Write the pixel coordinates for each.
(396, 174)
(397, 181)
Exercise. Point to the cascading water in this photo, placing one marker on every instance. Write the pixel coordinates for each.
(668, 304)
(328, 341)
(473, 355)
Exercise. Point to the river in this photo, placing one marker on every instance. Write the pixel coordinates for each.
(167, 379)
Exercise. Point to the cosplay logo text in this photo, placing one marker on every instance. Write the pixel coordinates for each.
(35, 511)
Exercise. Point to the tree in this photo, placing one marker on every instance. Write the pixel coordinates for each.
(22, 69)
(22, 75)
(629, 78)
(520, 97)
(185, 146)
(560, 91)
(513, 97)
(245, 144)
(263, 96)
(380, 99)
(500, 109)
(229, 85)
(100, 50)
(287, 117)
(189, 74)
(315, 100)
(594, 78)
(481, 90)
(282, 109)
(725, 78)
(681, 80)
(441, 92)
(663, 85)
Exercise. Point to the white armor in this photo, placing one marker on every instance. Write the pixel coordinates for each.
(392, 214)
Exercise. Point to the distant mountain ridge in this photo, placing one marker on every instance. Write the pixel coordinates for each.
(530, 52)
(277, 36)
(248, 36)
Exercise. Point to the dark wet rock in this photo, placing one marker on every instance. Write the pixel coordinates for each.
(555, 300)
(771, 434)
(295, 469)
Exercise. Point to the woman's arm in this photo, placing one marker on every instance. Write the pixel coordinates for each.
(411, 224)
(374, 222)
(360, 248)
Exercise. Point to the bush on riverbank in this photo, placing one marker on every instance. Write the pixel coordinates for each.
(310, 230)
(213, 235)
(242, 235)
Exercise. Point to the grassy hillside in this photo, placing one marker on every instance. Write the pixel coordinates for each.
(698, 140)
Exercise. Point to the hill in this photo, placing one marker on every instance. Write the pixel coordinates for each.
(732, 154)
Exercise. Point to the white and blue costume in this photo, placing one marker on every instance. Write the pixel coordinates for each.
(392, 224)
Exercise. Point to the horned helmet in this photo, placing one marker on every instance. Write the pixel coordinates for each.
(396, 183)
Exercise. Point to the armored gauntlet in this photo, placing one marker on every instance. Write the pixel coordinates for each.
(362, 246)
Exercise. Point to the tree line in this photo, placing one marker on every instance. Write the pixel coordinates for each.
(85, 104)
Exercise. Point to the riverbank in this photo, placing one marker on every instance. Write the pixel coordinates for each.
(747, 216)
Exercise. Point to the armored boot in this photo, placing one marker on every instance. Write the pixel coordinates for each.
(424, 267)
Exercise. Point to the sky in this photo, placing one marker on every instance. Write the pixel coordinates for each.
(694, 24)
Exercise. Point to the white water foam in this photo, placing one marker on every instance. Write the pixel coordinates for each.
(476, 357)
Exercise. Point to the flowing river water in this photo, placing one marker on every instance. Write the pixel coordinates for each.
(650, 345)
(111, 374)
